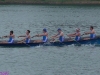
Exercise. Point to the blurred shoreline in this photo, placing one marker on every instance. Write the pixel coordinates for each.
(50, 3)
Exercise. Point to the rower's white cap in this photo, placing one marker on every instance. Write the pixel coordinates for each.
(78, 29)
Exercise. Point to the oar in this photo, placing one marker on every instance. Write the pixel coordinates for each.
(82, 34)
(35, 35)
(77, 42)
(27, 44)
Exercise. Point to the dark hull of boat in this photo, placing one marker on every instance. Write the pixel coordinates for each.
(95, 41)
(85, 42)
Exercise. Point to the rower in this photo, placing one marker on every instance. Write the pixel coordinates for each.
(92, 33)
(77, 35)
(27, 37)
(44, 35)
(60, 35)
(11, 38)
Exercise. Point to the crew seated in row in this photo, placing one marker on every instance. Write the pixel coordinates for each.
(59, 35)
(77, 34)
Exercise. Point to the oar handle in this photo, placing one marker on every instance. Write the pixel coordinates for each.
(32, 36)
(83, 34)
(4, 37)
(35, 36)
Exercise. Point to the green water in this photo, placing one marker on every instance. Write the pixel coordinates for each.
(49, 60)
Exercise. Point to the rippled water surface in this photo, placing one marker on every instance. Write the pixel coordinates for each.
(49, 60)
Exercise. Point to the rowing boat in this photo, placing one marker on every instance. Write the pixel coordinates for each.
(57, 43)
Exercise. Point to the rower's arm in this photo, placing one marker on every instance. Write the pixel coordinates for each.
(77, 34)
(22, 36)
(12, 36)
(88, 33)
(28, 36)
(72, 35)
(41, 35)
(55, 35)
(61, 34)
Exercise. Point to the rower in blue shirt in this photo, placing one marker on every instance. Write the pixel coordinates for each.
(92, 33)
(44, 36)
(11, 38)
(77, 35)
(27, 37)
(60, 36)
